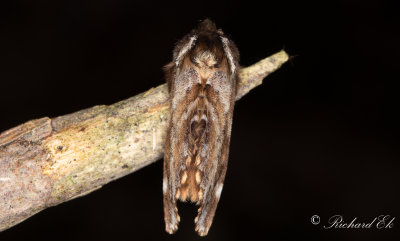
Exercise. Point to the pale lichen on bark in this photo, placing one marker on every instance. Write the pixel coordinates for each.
(48, 161)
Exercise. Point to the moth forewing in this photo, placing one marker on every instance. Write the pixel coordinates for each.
(202, 79)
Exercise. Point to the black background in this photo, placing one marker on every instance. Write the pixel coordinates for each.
(320, 136)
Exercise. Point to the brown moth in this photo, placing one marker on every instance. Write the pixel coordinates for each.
(202, 81)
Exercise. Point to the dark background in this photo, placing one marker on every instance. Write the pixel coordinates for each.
(320, 136)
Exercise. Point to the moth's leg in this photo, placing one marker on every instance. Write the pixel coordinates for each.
(208, 207)
(171, 215)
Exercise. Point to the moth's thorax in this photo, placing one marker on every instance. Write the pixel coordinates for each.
(206, 64)
(205, 59)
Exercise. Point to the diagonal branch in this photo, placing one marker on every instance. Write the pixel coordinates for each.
(45, 162)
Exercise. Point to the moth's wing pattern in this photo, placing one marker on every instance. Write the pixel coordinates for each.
(202, 81)
(208, 206)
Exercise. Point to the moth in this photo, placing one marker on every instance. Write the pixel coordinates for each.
(202, 81)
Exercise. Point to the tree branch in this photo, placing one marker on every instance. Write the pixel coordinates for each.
(46, 161)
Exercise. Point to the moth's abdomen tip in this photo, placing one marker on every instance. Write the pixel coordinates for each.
(169, 231)
(201, 230)
(171, 218)
(171, 228)
(202, 234)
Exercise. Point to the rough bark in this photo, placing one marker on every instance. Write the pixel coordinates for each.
(46, 161)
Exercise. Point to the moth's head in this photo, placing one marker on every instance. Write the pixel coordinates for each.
(207, 48)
